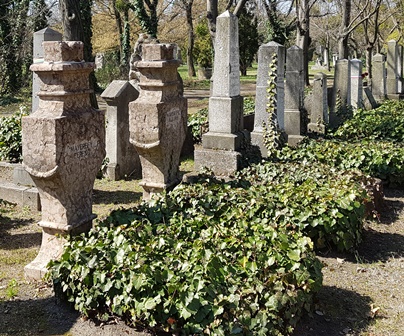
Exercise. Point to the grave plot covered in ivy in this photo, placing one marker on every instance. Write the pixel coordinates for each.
(216, 258)
(372, 141)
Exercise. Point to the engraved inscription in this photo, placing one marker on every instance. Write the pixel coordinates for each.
(81, 150)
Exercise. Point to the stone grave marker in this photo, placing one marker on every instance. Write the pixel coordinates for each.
(392, 73)
(265, 57)
(63, 145)
(356, 83)
(341, 91)
(122, 156)
(379, 90)
(294, 94)
(319, 104)
(222, 144)
(158, 118)
(46, 34)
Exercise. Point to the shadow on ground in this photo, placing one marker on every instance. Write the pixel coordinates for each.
(19, 240)
(339, 312)
(115, 197)
(36, 317)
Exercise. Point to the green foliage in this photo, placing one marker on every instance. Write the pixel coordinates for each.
(203, 49)
(204, 259)
(199, 124)
(111, 69)
(381, 159)
(14, 58)
(199, 121)
(383, 123)
(272, 135)
(325, 203)
(12, 289)
(10, 136)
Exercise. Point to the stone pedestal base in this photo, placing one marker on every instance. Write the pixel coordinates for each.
(316, 128)
(225, 141)
(51, 248)
(220, 162)
(257, 139)
(150, 189)
(294, 140)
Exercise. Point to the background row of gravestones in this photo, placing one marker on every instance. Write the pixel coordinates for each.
(386, 81)
(64, 144)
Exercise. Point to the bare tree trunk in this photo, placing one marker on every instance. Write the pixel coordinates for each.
(73, 31)
(343, 34)
(71, 20)
(211, 15)
(303, 33)
(191, 38)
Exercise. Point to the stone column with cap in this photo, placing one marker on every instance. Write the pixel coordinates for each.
(319, 104)
(392, 73)
(158, 118)
(341, 94)
(46, 34)
(221, 150)
(356, 83)
(379, 77)
(265, 57)
(294, 94)
(63, 144)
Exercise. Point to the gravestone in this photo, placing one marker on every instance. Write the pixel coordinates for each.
(400, 68)
(319, 104)
(46, 34)
(221, 150)
(123, 160)
(334, 59)
(356, 83)
(379, 90)
(326, 56)
(63, 144)
(265, 57)
(294, 94)
(392, 74)
(99, 61)
(158, 118)
(341, 96)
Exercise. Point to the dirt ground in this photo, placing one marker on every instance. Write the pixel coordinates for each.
(362, 293)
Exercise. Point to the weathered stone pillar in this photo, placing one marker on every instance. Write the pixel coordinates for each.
(319, 104)
(63, 145)
(122, 156)
(265, 57)
(158, 118)
(326, 57)
(392, 74)
(399, 68)
(379, 77)
(294, 94)
(341, 96)
(222, 144)
(46, 34)
(356, 83)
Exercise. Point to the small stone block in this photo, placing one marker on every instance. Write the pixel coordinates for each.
(20, 176)
(220, 162)
(294, 140)
(158, 52)
(223, 141)
(63, 51)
